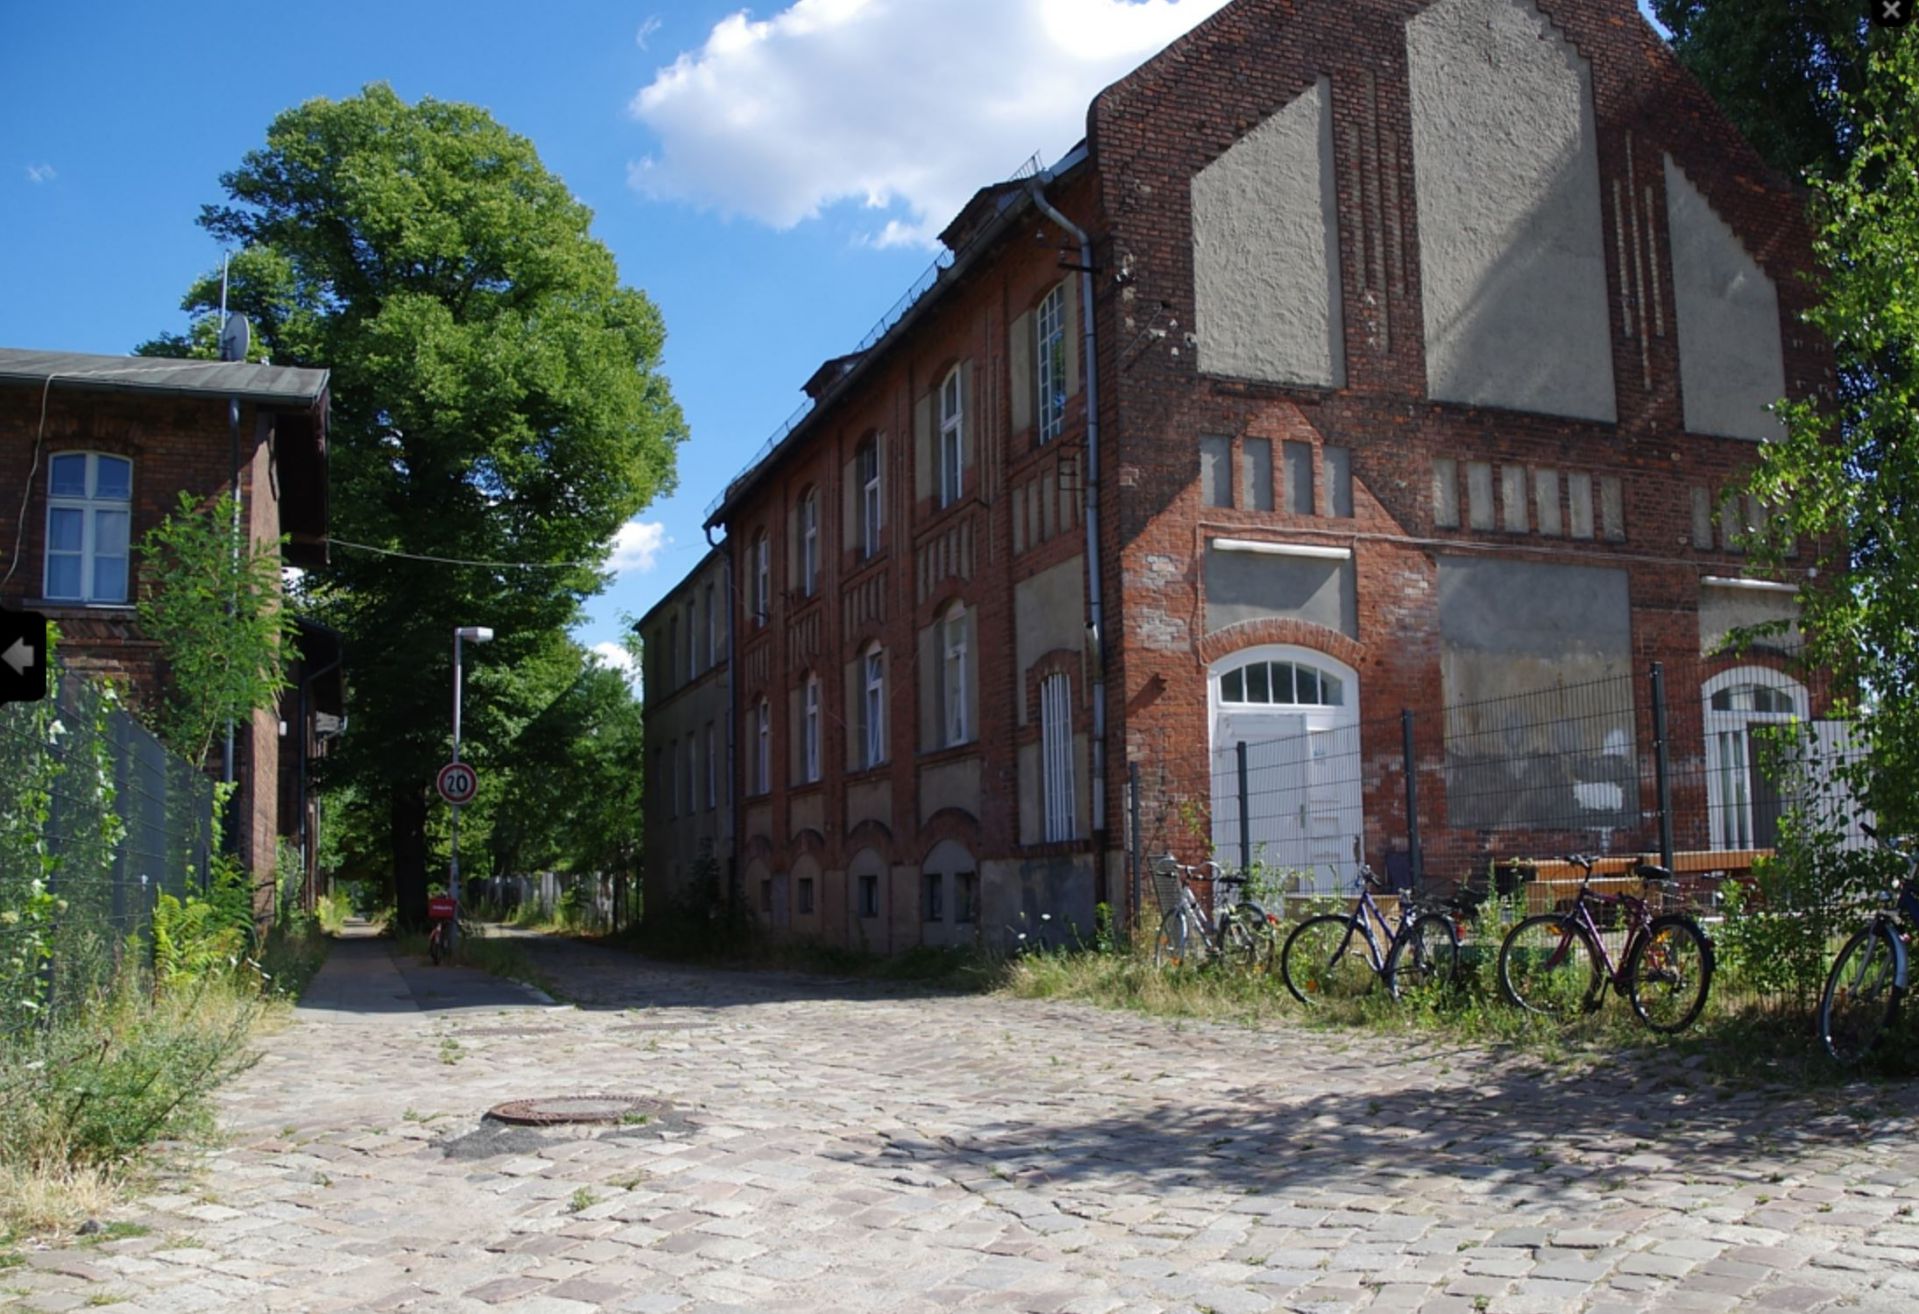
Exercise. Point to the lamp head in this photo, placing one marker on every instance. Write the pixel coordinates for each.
(474, 633)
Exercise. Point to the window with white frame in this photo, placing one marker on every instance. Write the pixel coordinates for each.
(1049, 371)
(762, 579)
(810, 543)
(763, 748)
(954, 719)
(1056, 755)
(810, 730)
(1741, 794)
(873, 706)
(712, 767)
(952, 449)
(89, 514)
(867, 470)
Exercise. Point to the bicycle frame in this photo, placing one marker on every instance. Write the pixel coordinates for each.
(1637, 913)
(1366, 916)
(1905, 899)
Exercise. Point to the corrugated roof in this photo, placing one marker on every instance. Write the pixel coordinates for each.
(283, 384)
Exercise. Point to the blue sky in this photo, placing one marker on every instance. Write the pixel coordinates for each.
(770, 177)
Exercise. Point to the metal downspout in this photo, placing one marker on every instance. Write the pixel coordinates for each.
(1095, 621)
(725, 549)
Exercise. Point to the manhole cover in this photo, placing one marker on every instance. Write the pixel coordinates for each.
(509, 1031)
(553, 1110)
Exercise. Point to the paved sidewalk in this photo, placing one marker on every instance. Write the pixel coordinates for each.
(842, 1146)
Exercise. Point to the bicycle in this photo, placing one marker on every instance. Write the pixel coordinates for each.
(1320, 962)
(1239, 932)
(1868, 978)
(440, 912)
(1665, 968)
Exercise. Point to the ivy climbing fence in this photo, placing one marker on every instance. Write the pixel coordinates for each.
(97, 820)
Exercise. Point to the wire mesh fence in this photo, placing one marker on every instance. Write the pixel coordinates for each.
(1711, 768)
(97, 820)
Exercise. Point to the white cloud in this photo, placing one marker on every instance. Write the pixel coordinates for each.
(900, 105)
(637, 546)
(653, 24)
(39, 173)
(614, 657)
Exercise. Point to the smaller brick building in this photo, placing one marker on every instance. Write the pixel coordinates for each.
(95, 451)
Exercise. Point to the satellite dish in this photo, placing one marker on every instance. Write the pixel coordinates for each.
(235, 338)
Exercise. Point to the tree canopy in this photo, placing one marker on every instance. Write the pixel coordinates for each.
(497, 397)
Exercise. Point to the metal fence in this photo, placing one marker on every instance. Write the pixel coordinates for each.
(1699, 766)
(97, 820)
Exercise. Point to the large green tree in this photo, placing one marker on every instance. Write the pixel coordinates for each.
(1847, 473)
(1781, 69)
(496, 397)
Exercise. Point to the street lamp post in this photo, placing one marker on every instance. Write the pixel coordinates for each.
(479, 634)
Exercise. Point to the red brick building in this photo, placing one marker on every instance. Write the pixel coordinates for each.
(95, 452)
(1367, 355)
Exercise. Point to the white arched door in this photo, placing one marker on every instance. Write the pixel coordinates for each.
(1297, 712)
(1742, 799)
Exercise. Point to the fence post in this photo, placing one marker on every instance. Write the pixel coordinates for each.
(1415, 859)
(1662, 764)
(1139, 852)
(1245, 814)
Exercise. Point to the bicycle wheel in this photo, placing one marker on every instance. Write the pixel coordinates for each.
(1862, 994)
(1247, 938)
(1548, 965)
(1669, 973)
(1327, 958)
(1181, 941)
(435, 946)
(1425, 955)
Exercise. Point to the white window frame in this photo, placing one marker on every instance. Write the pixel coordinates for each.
(762, 580)
(763, 748)
(810, 730)
(867, 466)
(1728, 787)
(90, 506)
(873, 682)
(810, 543)
(712, 767)
(1056, 757)
(1049, 363)
(954, 721)
(952, 438)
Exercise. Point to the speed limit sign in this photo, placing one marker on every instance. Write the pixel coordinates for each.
(457, 783)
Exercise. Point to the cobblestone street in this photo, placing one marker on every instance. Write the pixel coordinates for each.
(830, 1146)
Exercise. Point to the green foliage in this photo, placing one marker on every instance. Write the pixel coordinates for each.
(214, 609)
(1781, 70)
(497, 395)
(703, 920)
(191, 940)
(1845, 478)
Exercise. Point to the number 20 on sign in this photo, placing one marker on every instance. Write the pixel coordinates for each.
(457, 783)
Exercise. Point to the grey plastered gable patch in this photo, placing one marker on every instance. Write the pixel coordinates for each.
(1512, 255)
(1731, 362)
(1266, 251)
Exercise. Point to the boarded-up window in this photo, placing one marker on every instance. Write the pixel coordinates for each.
(1257, 453)
(1056, 755)
(1446, 492)
(1702, 519)
(1216, 471)
(1479, 494)
(1579, 504)
(1512, 498)
(1546, 501)
(1299, 478)
(1612, 508)
(1339, 481)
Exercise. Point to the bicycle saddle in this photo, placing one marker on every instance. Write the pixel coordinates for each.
(1647, 871)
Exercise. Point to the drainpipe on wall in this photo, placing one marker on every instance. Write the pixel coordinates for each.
(1095, 623)
(725, 549)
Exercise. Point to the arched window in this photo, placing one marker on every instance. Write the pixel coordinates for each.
(1281, 684)
(810, 542)
(1742, 800)
(810, 730)
(89, 510)
(952, 439)
(955, 715)
(763, 747)
(866, 464)
(762, 579)
(873, 705)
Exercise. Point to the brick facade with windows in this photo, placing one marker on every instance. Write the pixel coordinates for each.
(167, 422)
(1344, 437)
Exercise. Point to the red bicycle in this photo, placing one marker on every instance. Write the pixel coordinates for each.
(1557, 963)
